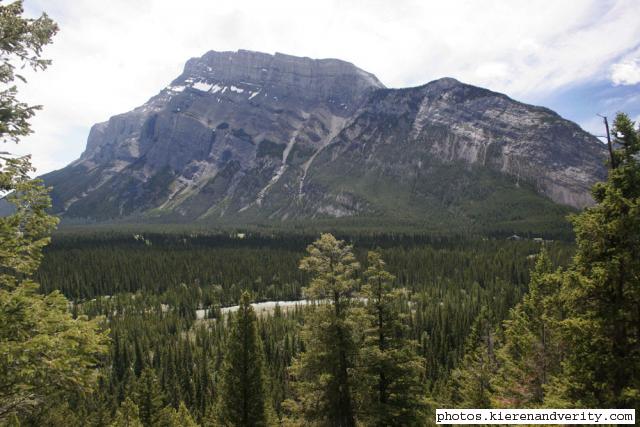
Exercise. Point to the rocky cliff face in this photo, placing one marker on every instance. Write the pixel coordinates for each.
(454, 122)
(247, 136)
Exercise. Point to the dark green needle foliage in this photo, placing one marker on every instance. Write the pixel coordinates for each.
(47, 355)
(148, 397)
(323, 375)
(533, 346)
(601, 290)
(471, 381)
(127, 415)
(243, 394)
(390, 374)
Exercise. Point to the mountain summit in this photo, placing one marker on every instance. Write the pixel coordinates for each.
(249, 137)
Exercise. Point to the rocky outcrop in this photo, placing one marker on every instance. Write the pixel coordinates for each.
(247, 136)
(452, 121)
(242, 111)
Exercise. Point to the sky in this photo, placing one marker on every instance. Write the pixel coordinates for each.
(578, 57)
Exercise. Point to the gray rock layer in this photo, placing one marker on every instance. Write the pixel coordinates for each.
(253, 136)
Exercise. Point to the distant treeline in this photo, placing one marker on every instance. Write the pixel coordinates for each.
(86, 265)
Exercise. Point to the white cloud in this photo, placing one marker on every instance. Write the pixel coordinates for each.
(493, 70)
(627, 71)
(112, 56)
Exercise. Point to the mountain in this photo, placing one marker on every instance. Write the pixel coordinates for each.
(246, 137)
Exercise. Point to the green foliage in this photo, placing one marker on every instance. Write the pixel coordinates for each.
(45, 351)
(127, 415)
(183, 418)
(148, 397)
(242, 392)
(359, 364)
(85, 265)
(46, 354)
(27, 230)
(448, 279)
(332, 266)
(169, 417)
(369, 350)
(533, 346)
(390, 372)
(471, 382)
(573, 341)
(601, 290)
(450, 196)
(323, 373)
(21, 44)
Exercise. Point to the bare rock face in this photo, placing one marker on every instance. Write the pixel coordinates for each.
(453, 122)
(232, 117)
(246, 136)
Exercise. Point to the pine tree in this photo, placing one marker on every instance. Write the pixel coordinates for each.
(139, 362)
(21, 47)
(390, 376)
(243, 398)
(166, 417)
(472, 380)
(148, 397)
(601, 290)
(171, 382)
(183, 417)
(169, 417)
(127, 415)
(46, 352)
(532, 349)
(321, 374)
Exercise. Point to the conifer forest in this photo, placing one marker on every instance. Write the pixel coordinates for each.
(331, 322)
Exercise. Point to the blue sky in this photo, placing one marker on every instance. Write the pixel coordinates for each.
(582, 102)
(578, 57)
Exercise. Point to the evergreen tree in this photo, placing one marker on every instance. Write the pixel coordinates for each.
(471, 386)
(139, 358)
(210, 418)
(390, 378)
(148, 397)
(180, 418)
(532, 349)
(243, 398)
(169, 417)
(322, 374)
(21, 47)
(171, 385)
(183, 417)
(46, 352)
(601, 290)
(127, 415)
(98, 405)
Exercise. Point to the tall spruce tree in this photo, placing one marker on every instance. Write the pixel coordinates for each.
(532, 347)
(601, 290)
(127, 415)
(390, 374)
(471, 381)
(243, 395)
(322, 374)
(169, 417)
(148, 397)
